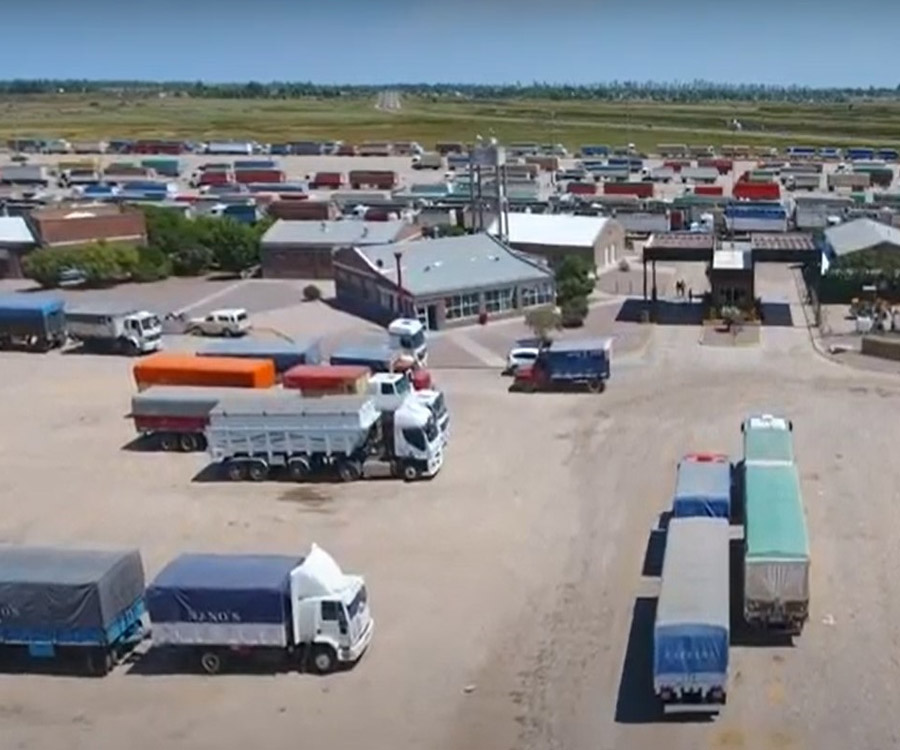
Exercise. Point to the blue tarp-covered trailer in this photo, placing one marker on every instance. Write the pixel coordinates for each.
(703, 486)
(222, 600)
(691, 632)
(582, 359)
(52, 598)
(34, 320)
(377, 357)
(284, 354)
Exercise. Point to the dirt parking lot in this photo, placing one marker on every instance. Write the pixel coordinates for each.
(511, 609)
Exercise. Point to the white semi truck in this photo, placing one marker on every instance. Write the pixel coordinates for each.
(127, 330)
(393, 389)
(407, 336)
(343, 435)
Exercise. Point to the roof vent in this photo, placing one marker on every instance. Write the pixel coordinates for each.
(365, 231)
(427, 268)
(379, 262)
(323, 226)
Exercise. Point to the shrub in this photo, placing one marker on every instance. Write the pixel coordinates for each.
(192, 261)
(44, 267)
(311, 293)
(152, 265)
(574, 311)
(543, 320)
(624, 265)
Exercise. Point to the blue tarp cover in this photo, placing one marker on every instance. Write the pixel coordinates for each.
(24, 306)
(230, 589)
(690, 650)
(703, 488)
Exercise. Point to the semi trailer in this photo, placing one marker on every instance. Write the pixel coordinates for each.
(768, 439)
(35, 322)
(221, 608)
(186, 369)
(692, 627)
(284, 354)
(343, 436)
(703, 486)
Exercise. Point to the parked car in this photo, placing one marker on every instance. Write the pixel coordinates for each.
(518, 356)
(227, 322)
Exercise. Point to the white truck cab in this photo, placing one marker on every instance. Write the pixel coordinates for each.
(407, 335)
(418, 445)
(392, 389)
(330, 611)
(126, 330)
(225, 322)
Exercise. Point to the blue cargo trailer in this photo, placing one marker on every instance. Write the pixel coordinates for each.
(692, 628)
(594, 150)
(888, 154)
(283, 354)
(56, 603)
(32, 321)
(703, 486)
(860, 154)
(377, 357)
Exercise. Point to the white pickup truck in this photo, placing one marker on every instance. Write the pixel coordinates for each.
(225, 322)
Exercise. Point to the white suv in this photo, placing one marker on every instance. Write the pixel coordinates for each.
(230, 322)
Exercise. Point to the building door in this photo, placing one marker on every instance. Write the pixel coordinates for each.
(432, 323)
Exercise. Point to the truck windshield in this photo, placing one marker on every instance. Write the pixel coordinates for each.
(431, 429)
(150, 323)
(358, 603)
(403, 387)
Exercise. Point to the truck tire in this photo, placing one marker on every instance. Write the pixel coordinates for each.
(257, 471)
(188, 442)
(349, 470)
(168, 441)
(236, 471)
(595, 386)
(211, 662)
(99, 661)
(410, 472)
(298, 469)
(322, 659)
(128, 347)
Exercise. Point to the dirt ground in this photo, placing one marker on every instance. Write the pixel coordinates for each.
(510, 602)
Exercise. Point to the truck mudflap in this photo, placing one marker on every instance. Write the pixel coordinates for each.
(708, 699)
(789, 616)
(353, 653)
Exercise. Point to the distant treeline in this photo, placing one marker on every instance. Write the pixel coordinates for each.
(695, 91)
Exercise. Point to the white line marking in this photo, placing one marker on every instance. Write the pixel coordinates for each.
(210, 297)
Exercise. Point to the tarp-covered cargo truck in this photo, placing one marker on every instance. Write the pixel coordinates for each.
(34, 322)
(186, 369)
(346, 436)
(122, 329)
(61, 603)
(703, 486)
(225, 606)
(283, 354)
(176, 416)
(567, 363)
(327, 380)
(692, 628)
(768, 438)
(776, 548)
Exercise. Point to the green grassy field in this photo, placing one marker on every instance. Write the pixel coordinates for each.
(572, 123)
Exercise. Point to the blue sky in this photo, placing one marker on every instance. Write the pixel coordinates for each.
(475, 41)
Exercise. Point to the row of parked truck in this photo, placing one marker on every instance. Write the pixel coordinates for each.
(692, 629)
(92, 606)
(254, 419)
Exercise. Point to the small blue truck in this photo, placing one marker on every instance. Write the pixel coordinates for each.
(32, 321)
(703, 486)
(561, 364)
(62, 603)
(692, 628)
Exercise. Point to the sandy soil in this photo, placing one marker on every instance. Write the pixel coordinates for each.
(510, 603)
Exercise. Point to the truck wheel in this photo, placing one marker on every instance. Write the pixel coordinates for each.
(257, 471)
(210, 662)
(187, 442)
(349, 471)
(168, 441)
(235, 471)
(595, 386)
(298, 469)
(410, 472)
(323, 659)
(128, 347)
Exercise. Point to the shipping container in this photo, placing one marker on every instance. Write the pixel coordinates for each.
(640, 189)
(703, 486)
(708, 190)
(582, 188)
(776, 547)
(255, 176)
(756, 191)
(379, 179)
(185, 369)
(327, 380)
(327, 180)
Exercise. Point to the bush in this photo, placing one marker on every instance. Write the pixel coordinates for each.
(152, 265)
(574, 311)
(44, 267)
(543, 320)
(100, 264)
(311, 293)
(624, 265)
(192, 261)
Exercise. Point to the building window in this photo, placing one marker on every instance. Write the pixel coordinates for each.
(498, 300)
(461, 306)
(540, 294)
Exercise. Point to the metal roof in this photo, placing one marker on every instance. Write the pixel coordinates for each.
(455, 263)
(339, 233)
(861, 234)
(792, 241)
(552, 230)
(732, 260)
(682, 240)
(14, 230)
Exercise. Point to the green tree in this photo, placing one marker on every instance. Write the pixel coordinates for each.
(43, 266)
(235, 246)
(573, 279)
(152, 265)
(542, 321)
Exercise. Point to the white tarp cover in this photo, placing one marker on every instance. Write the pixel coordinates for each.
(776, 581)
(318, 575)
